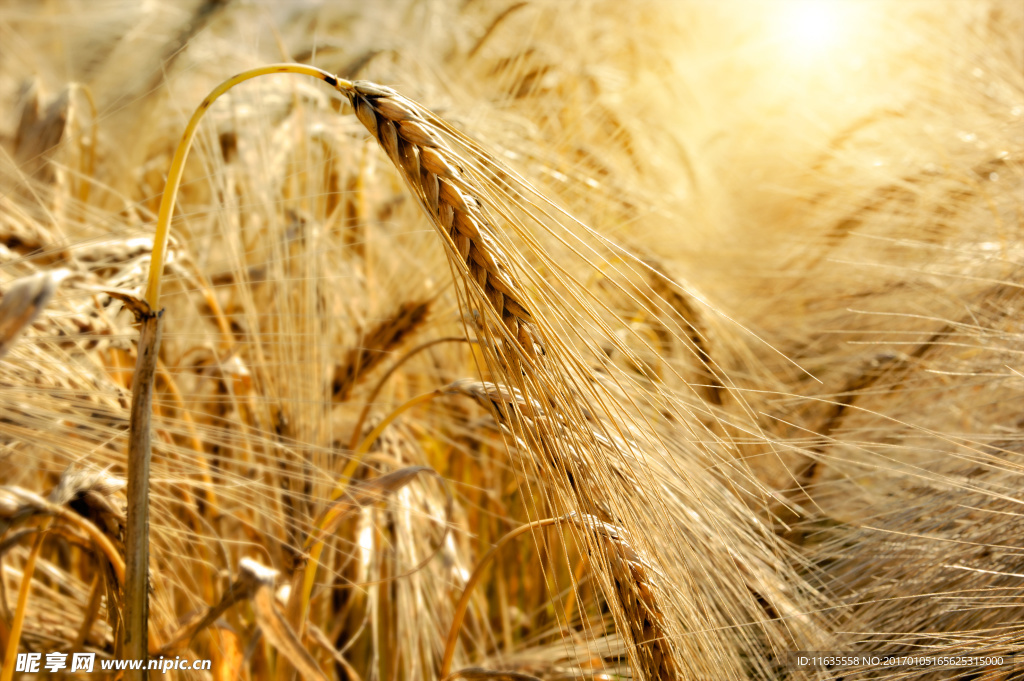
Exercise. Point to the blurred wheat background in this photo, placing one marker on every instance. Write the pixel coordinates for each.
(768, 397)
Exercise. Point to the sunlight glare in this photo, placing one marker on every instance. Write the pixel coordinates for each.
(809, 27)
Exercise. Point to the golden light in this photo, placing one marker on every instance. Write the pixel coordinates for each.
(807, 29)
(814, 24)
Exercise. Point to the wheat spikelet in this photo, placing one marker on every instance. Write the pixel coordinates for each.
(432, 171)
(566, 448)
(88, 512)
(691, 322)
(40, 129)
(23, 302)
(637, 592)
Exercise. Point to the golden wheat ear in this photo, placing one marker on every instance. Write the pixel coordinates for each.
(433, 172)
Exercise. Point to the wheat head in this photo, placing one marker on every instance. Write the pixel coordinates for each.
(431, 168)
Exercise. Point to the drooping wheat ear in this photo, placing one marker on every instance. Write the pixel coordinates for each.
(84, 503)
(430, 166)
(633, 575)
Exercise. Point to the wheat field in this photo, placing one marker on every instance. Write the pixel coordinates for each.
(556, 339)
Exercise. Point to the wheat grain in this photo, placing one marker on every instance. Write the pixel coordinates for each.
(431, 168)
(637, 590)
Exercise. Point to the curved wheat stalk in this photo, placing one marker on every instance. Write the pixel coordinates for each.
(428, 164)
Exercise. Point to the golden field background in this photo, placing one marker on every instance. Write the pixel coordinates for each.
(773, 251)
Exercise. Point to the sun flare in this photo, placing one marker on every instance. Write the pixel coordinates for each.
(810, 28)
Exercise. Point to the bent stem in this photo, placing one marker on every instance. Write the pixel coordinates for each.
(170, 195)
(478, 571)
(139, 447)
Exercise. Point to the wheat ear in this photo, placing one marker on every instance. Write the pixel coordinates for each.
(376, 344)
(633, 575)
(430, 166)
(23, 302)
(636, 590)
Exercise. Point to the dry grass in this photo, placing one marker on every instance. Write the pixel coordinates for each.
(739, 309)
